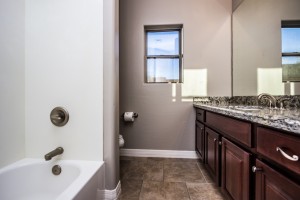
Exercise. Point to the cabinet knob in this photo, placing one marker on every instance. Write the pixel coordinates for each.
(256, 169)
(215, 140)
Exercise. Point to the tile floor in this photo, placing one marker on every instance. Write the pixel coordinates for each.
(166, 178)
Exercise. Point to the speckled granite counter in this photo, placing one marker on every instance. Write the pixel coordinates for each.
(287, 120)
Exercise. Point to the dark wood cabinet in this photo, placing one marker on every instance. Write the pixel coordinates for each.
(230, 147)
(271, 185)
(235, 171)
(200, 115)
(200, 140)
(235, 129)
(212, 160)
(282, 149)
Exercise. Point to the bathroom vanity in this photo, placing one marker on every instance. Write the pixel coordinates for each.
(248, 153)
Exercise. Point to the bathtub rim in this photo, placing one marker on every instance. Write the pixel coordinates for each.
(88, 169)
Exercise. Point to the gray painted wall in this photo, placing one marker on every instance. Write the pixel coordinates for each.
(111, 93)
(166, 115)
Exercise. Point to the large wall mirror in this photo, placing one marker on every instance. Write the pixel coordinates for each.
(257, 47)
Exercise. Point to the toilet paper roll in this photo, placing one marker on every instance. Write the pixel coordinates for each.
(129, 116)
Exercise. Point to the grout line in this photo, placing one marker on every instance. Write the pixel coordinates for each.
(187, 189)
(164, 170)
(202, 173)
(141, 189)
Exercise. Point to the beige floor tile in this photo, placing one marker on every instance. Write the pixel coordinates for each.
(166, 178)
(204, 191)
(153, 171)
(130, 189)
(182, 172)
(134, 170)
(207, 177)
(176, 191)
(169, 160)
(152, 190)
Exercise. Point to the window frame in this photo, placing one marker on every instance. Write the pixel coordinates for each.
(164, 28)
(285, 74)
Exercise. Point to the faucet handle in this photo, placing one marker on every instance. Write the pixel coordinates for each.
(281, 100)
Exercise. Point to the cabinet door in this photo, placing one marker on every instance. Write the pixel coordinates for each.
(212, 160)
(235, 171)
(200, 140)
(271, 185)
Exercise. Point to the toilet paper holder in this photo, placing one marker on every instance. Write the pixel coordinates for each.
(135, 115)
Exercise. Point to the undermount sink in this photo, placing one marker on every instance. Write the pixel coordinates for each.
(248, 108)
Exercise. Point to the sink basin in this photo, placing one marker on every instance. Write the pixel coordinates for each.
(248, 108)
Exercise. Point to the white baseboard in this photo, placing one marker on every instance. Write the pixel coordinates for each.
(158, 153)
(109, 194)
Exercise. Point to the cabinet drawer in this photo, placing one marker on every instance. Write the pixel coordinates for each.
(268, 142)
(200, 115)
(238, 130)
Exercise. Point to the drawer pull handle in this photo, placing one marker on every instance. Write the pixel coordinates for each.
(293, 158)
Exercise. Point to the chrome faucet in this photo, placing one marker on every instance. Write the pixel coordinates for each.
(272, 100)
(55, 152)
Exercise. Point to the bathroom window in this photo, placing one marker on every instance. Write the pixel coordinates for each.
(163, 54)
(290, 33)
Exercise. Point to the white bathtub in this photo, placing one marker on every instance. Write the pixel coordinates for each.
(32, 179)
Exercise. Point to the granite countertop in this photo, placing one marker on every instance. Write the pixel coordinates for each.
(286, 119)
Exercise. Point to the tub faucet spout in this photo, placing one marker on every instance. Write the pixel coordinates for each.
(55, 152)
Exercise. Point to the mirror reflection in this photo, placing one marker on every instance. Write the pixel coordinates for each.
(266, 47)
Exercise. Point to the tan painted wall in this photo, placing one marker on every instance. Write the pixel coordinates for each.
(166, 120)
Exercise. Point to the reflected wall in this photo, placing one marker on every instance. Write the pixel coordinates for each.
(257, 47)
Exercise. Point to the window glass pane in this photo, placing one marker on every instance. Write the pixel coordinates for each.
(163, 70)
(291, 60)
(163, 43)
(290, 40)
(291, 68)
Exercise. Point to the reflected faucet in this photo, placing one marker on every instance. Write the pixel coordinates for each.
(272, 100)
(55, 152)
(281, 100)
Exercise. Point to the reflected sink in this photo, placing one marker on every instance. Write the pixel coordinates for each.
(248, 108)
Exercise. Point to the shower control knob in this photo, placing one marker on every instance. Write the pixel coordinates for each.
(59, 116)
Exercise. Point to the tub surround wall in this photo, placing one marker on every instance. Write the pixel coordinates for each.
(64, 67)
(207, 34)
(12, 81)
